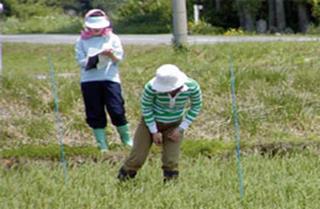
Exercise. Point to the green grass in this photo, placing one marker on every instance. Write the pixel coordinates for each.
(54, 23)
(276, 87)
(277, 95)
(52, 151)
(288, 182)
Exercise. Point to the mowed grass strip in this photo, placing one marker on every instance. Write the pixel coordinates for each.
(281, 182)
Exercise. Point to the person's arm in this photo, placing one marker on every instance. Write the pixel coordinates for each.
(81, 55)
(148, 116)
(147, 100)
(195, 107)
(196, 104)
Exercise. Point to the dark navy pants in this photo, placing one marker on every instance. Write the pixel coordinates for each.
(102, 96)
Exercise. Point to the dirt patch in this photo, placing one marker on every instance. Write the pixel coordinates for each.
(112, 158)
(9, 110)
(282, 148)
(4, 113)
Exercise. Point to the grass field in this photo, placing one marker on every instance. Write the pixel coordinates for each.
(287, 182)
(277, 90)
(278, 102)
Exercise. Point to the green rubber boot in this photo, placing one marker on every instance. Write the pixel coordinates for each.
(101, 139)
(125, 135)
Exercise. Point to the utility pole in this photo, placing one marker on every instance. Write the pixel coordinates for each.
(180, 32)
(196, 11)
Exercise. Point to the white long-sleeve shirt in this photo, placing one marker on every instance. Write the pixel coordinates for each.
(106, 68)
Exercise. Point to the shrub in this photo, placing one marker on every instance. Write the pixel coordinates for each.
(111, 7)
(204, 28)
(315, 9)
(40, 24)
(148, 16)
(28, 8)
(313, 29)
(234, 32)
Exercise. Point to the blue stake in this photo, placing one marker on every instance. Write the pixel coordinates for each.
(58, 119)
(1, 10)
(236, 126)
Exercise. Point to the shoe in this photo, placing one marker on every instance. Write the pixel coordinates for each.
(124, 175)
(101, 138)
(129, 143)
(125, 135)
(170, 176)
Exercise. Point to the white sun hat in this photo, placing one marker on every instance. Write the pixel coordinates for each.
(96, 22)
(168, 78)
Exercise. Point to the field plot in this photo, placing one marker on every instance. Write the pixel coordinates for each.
(287, 182)
(277, 89)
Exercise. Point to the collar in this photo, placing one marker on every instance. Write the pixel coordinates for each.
(184, 88)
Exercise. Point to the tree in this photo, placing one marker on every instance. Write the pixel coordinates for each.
(217, 5)
(303, 17)
(280, 15)
(247, 11)
(271, 15)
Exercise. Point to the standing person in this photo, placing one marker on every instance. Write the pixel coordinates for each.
(98, 52)
(165, 118)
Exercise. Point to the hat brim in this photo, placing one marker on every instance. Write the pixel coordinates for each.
(97, 25)
(159, 87)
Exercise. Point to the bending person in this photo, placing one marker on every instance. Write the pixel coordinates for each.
(165, 118)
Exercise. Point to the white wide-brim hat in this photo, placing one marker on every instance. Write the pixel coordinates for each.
(96, 22)
(168, 78)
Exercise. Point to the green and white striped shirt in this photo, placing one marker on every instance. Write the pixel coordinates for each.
(162, 107)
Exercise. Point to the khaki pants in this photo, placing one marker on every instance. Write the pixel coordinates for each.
(142, 144)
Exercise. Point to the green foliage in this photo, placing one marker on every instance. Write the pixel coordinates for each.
(127, 17)
(204, 28)
(140, 17)
(252, 6)
(190, 148)
(234, 32)
(136, 16)
(146, 16)
(25, 9)
(49, 151)
(111, 7)
(313, 29)
(42, 24)
(316, 9)
(194, 148)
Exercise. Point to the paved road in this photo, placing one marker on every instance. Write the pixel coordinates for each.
(156, 39)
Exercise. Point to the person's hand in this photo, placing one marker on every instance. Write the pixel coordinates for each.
(175, 135)
(107, 52)
(157, 138)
